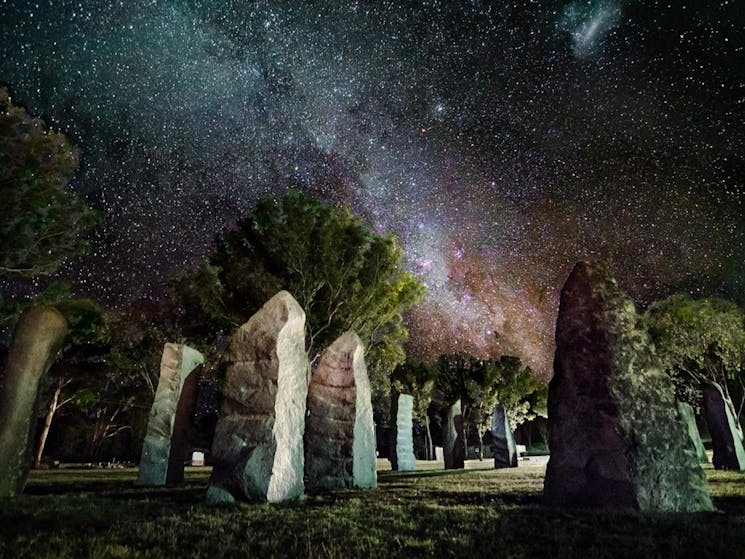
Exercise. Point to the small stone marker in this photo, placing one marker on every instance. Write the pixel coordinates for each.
(258, 446)
(725, 439)
(453, 439)
(37, 337)
(503, 443)
(402, 456)
(617, 439)
(686, 413)
(166, 445)
(339, 429)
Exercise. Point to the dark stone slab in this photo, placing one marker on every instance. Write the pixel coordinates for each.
(725, 439)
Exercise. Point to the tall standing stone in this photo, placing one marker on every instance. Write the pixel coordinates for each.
(258, 445)
(339, 429)
(453, 438)
(616, 437)
(165, 449)
(689, 417)
(725, 438)
(402, 453)
(37, 337)
(502, 442)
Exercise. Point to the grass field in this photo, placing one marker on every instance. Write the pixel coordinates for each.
(470, 513)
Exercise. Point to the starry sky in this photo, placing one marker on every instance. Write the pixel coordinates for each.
(501, 142)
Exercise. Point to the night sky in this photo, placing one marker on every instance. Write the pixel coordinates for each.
(501, 143)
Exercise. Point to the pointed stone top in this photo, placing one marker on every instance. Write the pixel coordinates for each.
(337, 366)
(278, 310)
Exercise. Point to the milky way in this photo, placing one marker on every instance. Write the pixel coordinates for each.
(501, 143)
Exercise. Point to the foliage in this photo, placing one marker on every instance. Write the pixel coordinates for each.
(42, 222)
(698, 340)
(342, 274)
(418, 380)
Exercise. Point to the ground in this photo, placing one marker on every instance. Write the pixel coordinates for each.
(477, 512)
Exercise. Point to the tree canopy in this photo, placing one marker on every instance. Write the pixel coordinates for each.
(698, 340)
(43, 222)
(343, 275)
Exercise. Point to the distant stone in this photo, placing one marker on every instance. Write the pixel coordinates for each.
(402, 455)
(258, 445)
(166, 445)
(453, 438)
(616, 437)
(37, 337)
(339, 429)
(725, 438)
(502, 442)
(689, 418)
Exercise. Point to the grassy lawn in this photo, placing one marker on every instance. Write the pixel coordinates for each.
(470, 513)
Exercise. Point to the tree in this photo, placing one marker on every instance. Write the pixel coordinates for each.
(418, 380)
(342, 274)
(42, 222)
(71, 374)
(700, 340)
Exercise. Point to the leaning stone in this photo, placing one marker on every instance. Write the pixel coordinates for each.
(258, 445)
(36, 339)
(725, 439)
(339, 429)
(686, 413)
(166, 445)
(453, 438)
(616, 437)
(502, 442)
(402, 453)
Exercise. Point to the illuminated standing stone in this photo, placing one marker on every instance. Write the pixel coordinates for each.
(165, 449)
(339, 429)
(37, 337)
(686, 413)
(402, 456)
(502, 441)
(453, 438)
(725, 438)
(258, 446)
(616, 437)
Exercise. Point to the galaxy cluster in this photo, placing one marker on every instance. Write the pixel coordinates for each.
(501, 142)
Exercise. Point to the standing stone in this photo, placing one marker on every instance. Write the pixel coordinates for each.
(616, 437)
(502, 442)
(453, 438)
(686, 413)
(37, 338)
(166, 445)
(258, 446)
(402, 455)
(725, 439)
(339, 429)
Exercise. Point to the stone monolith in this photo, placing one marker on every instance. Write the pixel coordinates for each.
(339, 428)
(725, 438)
(453, 437)
(166, 446)
(502, 442)
(37, 337)
(617, 439)
(258, 446)
(689, 417)
(402, 435)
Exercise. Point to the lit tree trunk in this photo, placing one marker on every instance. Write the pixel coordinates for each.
(429, 455)
(54, 405)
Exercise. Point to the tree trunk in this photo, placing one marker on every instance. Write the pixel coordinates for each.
(48, 423)
(430, 454)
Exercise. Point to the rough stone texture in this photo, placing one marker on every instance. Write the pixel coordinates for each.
(339, 429)
(728, 449)
(165, 449)
(36, 339)
(689, 417)
(258, 445)
(453, 438)
(402, 454)
(502, 442)
(616, 437)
